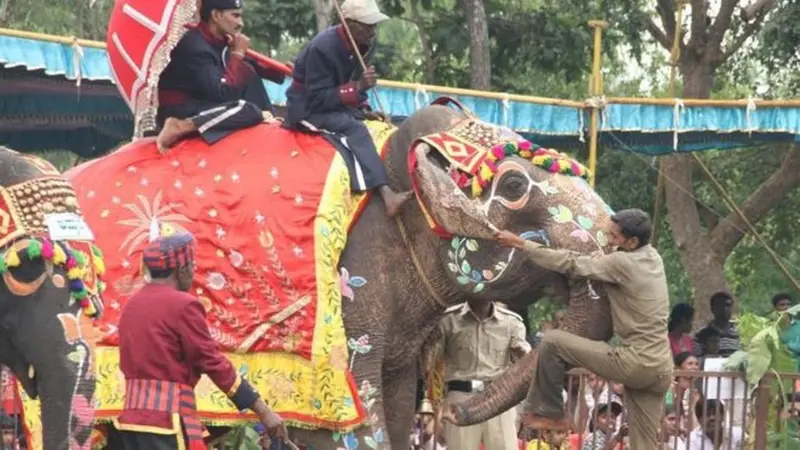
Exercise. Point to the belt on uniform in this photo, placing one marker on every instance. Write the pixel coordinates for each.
(467, 385)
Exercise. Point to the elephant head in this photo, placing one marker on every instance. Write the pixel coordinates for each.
(47, 299)
(524, 196)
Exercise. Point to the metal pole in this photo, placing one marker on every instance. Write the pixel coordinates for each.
(596, 90)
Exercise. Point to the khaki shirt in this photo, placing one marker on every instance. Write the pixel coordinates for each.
(637, 291)
(475, 350)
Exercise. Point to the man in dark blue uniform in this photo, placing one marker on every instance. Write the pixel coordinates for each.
(328, 93)
(209, 86)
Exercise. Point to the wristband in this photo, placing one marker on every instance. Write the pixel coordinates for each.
(239, 54)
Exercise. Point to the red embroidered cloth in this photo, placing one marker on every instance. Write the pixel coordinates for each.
(250, 201)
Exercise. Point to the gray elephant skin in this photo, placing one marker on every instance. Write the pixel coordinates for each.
(402, 302)
(41, 340)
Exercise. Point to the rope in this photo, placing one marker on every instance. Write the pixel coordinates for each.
(676, 122)
(688, 193)
(418, 266)
(506, 107)
(751, 108)
(77, 58)
(420, 90)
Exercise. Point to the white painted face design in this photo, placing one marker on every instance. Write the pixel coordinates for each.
(510, 166)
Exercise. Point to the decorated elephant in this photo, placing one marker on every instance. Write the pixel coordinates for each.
(322, 301)
(48, 297)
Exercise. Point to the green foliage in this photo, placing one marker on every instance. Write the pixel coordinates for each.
(241, 438)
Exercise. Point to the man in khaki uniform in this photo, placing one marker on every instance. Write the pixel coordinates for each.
(481, 339)
(637, 292)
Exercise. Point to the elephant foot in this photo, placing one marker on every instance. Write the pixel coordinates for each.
(537, 422)
(174, 130)
(394, 201)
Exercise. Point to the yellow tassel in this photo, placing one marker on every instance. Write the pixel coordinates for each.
(12, 258)
(476, 188)
(76, 273)
(527, 154)
(563, 165)
(99, 266)
(90, 310)
(486, 172)
(59, 257)
(539, 160)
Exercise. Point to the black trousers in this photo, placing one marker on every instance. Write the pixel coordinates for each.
(214, 121)
(129, 440)
(351, 135)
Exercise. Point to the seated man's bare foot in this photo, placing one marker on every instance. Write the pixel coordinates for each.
(173, 131)
(394, 201)
(269, 118)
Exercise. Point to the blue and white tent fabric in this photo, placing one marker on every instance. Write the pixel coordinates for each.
(85, 97)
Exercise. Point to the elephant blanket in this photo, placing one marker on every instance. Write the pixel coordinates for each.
(271, 226)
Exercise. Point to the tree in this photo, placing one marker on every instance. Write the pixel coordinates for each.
(706, 45)
(480, 74)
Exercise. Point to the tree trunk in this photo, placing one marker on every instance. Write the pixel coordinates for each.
(480, 74)
(322, 12)
(425, 43)
(703, 266)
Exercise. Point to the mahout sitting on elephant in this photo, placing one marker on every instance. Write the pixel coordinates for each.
(323, 301)
(49, 294)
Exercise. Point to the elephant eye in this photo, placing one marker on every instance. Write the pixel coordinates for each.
(513, 186)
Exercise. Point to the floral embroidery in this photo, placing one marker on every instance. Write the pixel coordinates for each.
(582, 225)
(348, 283)
(466, 275)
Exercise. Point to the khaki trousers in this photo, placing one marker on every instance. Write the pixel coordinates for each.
(498, 433)
(645, 388)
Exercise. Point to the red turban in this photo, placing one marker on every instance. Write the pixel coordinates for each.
(169, 252)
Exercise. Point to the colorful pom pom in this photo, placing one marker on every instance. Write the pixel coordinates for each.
(76, 273)
(75, 285)
(80, 257)
(12, 258)
(59, 257)
(47, 249)
(34, 249)
(99, 265)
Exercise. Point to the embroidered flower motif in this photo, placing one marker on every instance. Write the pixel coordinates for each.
(360, 346)
(236, 258)
(337, 357)
(282, 387)
(216, 281)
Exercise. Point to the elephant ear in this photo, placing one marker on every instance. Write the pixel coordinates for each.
(445, 202)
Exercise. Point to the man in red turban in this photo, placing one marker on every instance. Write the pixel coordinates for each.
(165, 346)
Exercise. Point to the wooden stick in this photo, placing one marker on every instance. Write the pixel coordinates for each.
(356, 50)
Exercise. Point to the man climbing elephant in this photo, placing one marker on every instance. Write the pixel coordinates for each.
(637, 292)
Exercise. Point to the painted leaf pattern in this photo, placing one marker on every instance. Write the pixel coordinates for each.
(560, 213)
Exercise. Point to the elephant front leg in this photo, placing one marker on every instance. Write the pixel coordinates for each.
(400, 391)
(366, 369)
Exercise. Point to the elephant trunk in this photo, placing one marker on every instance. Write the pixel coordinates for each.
(66, 386)
(505, 393)
(588, 315)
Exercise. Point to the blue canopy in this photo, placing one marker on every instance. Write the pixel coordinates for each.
(41, 107)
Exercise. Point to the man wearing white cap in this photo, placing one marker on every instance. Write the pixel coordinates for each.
(329, 94)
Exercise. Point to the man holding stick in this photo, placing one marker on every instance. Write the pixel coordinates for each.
(329, 93)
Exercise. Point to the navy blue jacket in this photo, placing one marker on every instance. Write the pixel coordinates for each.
(196, 78)
(325, 77)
